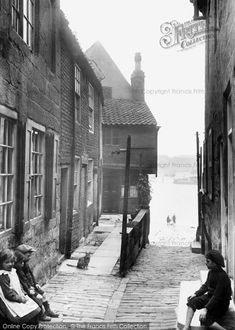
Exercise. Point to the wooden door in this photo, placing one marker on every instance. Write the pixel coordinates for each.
(84, 199)
(111, 193)
(63, 209)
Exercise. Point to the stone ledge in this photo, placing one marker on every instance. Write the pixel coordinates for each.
(187, 288)
(195, 247)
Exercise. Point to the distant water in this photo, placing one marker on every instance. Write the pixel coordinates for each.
(168, 199)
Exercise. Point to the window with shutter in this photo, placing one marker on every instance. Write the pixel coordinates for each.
(34, 170)
(55, 172)
(7, 171)
(91, 98)
(77, 93)
(49, 155)
(90, 183)
(76, 183)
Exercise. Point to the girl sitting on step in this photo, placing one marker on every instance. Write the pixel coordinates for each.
(214, 296)
(15, 306)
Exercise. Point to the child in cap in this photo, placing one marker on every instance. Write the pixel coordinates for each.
(30, 290)
(27, 251)
(16, 306)
(214, 295)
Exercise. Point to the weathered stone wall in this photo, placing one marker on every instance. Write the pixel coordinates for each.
(31, 88)
(220, 56)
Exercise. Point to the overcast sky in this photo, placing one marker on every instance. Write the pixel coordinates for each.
(174, 78)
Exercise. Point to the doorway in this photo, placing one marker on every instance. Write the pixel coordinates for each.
(63, 209)
(84, 199)
(224, 197)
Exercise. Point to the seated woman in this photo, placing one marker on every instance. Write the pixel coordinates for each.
(214, 296)
(16, 307)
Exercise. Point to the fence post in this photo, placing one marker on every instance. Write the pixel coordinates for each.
(146, 227)
(122, 269)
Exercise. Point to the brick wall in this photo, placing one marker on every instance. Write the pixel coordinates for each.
(86, 143)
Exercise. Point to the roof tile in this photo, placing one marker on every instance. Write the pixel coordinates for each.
(127, 112)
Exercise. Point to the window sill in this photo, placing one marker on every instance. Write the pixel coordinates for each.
(35, 220)
(5, 232)
(18, 39)
(89, 204)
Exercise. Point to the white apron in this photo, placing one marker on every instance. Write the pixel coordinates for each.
(16, 308)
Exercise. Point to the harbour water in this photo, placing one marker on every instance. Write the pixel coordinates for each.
(170, 199)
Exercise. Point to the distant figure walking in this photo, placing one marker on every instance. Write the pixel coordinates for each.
(171, 221)
(168, 220)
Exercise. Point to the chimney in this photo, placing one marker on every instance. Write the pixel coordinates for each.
(137, 80)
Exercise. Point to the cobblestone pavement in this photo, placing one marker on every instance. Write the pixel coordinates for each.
(149, 292)
(152, 290)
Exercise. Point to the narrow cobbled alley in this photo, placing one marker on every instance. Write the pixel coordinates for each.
(149, 292)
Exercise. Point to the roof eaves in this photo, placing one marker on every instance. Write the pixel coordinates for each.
(70, 39)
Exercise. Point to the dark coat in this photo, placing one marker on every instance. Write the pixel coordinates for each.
(218, 288)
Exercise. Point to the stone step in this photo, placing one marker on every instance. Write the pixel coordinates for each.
(187, 288)
(195, 247)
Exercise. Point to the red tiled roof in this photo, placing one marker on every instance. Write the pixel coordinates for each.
(127, 112)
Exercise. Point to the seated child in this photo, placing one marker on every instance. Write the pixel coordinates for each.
(19, 265)
(16, 306)
(214, 295)
(27, 251)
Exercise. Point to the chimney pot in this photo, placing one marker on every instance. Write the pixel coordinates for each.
(137, 80)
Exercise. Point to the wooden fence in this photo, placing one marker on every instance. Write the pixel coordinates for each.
(137, 232)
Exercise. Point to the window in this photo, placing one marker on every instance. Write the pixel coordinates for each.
(7, 170)
(51, 174)
(91, 97)
(15, 15)
(133, 192)
(90, 183)
(216, 23)
(115, 137)
(107, 136)
(76, 183)
(77, 87)
(23, 19)
(53, 36)
(111, 137)
(35, 173)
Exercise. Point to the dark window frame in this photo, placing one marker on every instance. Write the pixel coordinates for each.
(23, 20)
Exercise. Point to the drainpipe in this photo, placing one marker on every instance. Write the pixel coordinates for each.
(68, 245)
(198, 188)
(69, 229)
